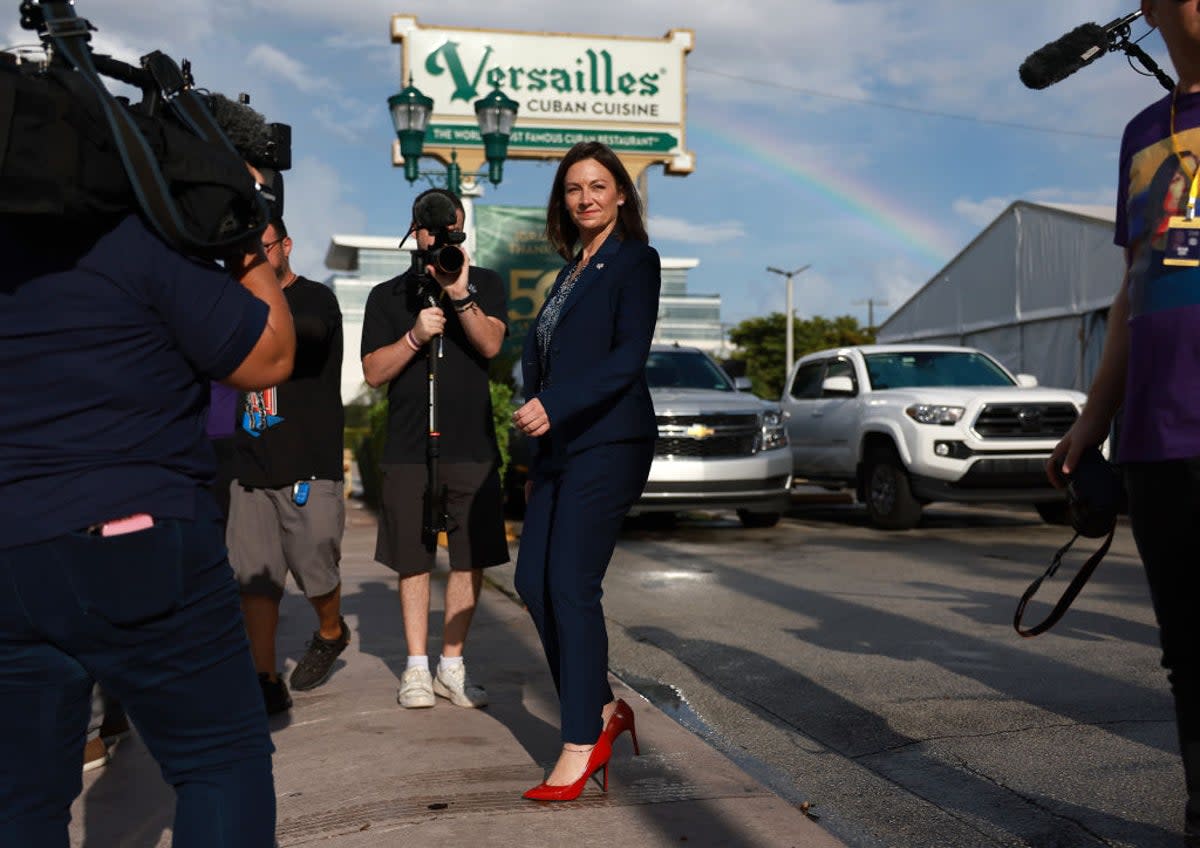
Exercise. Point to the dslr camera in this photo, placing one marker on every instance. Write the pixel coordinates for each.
(436, 213)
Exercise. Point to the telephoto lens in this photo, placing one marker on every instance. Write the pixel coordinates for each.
(448, 258)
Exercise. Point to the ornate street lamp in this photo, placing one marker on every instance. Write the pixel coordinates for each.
(495, 113)
(410, 115)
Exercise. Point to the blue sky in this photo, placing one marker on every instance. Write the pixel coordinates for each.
(798, 159)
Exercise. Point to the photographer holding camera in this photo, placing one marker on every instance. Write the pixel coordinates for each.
(1151, 365)
(440, 296)
(112, 553)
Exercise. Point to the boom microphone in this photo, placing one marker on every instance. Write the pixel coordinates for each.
(1059, 59)
(1075, 50)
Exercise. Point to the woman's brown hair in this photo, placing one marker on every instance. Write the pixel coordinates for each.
(560, 228)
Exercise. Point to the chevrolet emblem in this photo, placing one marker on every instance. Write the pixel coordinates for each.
(700, 431)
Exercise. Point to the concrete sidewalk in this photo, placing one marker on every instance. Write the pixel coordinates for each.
(354, 769)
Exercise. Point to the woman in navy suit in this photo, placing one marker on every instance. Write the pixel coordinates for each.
(590, 411)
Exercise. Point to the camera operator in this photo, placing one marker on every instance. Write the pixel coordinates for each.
(399, 329)
(1151, 365)
(112, 555)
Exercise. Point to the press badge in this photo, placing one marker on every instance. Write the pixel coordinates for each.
(1183, 242)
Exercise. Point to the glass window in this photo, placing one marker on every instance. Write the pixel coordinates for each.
(685, 369)
(807, 383)
(915, 369)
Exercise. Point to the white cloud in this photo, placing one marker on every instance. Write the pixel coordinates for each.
(690, 232)
(316, 206)
(981, 212)
(274, 62)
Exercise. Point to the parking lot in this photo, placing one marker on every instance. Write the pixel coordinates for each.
(876, 677)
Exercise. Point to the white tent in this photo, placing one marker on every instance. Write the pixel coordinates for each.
(1033, 289)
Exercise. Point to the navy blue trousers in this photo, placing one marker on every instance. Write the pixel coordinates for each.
(155, 618)
(571, 525)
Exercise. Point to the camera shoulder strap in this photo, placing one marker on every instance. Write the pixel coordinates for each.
(1068, 595)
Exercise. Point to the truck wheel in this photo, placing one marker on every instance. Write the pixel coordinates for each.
(757, 519)
(889, 498)
(1053, 512)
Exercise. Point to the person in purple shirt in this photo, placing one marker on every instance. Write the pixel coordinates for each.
(222, 414)
(1149, 372)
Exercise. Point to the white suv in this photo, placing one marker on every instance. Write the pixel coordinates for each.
(905, 425)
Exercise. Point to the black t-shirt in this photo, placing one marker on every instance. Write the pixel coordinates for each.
(302, 439)
(464, 400)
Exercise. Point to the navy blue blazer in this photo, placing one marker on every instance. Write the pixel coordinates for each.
(598, 392)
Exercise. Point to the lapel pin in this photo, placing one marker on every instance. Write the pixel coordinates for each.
(600, 266)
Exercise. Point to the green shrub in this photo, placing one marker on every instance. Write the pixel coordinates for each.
(502, 410)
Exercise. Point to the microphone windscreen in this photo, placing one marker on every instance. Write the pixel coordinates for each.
(1063, 57)
(435, 211)
(245, 128)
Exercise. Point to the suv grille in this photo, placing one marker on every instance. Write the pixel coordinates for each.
(1025, 420)
(699, 436)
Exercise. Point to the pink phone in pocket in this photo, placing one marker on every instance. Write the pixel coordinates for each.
(129, 524)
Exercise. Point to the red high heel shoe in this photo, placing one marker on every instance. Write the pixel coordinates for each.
(598, 759)
(620, 721)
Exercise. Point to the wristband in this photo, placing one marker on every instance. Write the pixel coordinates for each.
(464, 304)
(412, 341)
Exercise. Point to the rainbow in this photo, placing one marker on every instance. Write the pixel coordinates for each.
(913, 231)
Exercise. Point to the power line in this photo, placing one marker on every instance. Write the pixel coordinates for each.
(896, 107)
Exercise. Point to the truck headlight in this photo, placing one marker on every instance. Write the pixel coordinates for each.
(774, 432)
(925, 413)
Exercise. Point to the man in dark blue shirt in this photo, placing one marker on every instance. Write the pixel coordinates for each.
(112, 562)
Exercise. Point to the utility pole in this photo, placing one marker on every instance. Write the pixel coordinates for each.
(871, 304)
(789, 318)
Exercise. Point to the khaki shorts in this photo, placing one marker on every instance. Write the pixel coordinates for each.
(475, 510)
(268, 535)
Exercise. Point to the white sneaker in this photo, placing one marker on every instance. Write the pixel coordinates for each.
(416, 689)
(452, 684)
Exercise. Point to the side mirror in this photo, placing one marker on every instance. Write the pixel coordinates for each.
(837, 386)
(741, 384)
(1026, 381)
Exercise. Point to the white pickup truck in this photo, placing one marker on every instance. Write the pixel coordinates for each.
(904, 425)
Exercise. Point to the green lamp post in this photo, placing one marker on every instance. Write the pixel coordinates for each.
(495, 113)
(410, 115)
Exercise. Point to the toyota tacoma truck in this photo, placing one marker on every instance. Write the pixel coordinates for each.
(905, 425)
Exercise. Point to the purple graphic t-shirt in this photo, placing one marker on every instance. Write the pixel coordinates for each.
(1162, 392)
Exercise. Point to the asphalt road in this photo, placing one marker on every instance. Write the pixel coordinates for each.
(876, 676)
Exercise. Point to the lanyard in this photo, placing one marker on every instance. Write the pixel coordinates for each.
(1194, 190)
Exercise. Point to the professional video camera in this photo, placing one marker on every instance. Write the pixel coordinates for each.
(72, 150)
(437, 213)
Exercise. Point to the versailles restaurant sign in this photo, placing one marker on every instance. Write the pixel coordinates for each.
(629, 93)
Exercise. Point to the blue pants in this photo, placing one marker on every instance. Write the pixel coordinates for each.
(571, 524)
(154, 617)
